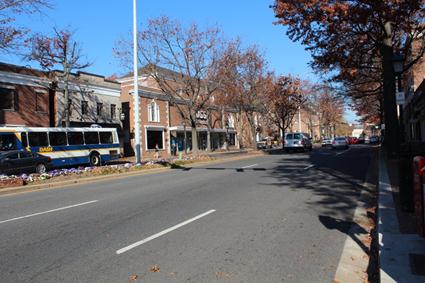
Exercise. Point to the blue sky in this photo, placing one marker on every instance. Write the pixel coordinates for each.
(99, 24)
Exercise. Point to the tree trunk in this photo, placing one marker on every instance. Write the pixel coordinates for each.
(209, 139)
(390, 107)
(254, 136)
(195, 148)
(208, 133)
(239, 129)
(66, 97)
(185, 139)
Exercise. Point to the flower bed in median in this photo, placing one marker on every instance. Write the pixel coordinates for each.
(63, 174)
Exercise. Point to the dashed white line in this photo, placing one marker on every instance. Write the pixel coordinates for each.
(252, 165)
(308, 167)
(342, 152)
(48, 211)
(148, 239)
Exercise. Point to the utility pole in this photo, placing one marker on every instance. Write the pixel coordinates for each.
(136, 88)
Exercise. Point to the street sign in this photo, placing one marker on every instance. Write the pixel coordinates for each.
(399, 97)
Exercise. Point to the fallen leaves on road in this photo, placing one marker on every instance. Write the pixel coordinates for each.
(154, 268)
(133, 277)
(222, 274)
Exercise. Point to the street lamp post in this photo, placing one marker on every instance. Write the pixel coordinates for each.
(398, 66)
(136, 88)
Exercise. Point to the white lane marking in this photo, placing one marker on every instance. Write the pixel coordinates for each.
(252, 165)
(48, 211)
(148, 239)
(342, 152)
(308, 167)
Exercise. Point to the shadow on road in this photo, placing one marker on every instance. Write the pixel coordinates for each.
(350, 228)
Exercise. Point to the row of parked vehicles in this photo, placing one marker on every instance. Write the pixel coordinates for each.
(344, 142)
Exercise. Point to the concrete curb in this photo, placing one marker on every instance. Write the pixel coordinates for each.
(81, 180)
(354, 261)
(394, 247)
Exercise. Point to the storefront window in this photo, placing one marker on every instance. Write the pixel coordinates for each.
(153, 138)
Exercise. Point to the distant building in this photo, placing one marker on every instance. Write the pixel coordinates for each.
(357, 133)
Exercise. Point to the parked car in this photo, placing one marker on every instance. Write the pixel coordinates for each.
(19, 161)
(261, 144)
(340, 142)
(297, 141)
(354, 140)
(374, 140)
(326, 142)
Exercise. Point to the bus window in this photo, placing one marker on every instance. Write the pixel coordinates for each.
(24, 139)
(91, 137)
(7, 142)
(106, 137)
(75, 138)
(57, 138)
(38, 139)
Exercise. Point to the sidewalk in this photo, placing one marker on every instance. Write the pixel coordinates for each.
(402, 251)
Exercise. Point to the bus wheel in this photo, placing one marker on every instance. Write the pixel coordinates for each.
(94, 159)
(40, 168)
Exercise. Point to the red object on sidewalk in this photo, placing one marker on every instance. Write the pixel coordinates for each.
(419, 192)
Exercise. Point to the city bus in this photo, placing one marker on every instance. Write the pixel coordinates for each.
(65, 146)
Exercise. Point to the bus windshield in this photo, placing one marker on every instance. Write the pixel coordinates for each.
(7, 142)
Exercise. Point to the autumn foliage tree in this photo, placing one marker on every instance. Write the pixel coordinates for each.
(59, 51)
(331, 109)
(245, 81)
(347, 37)
(182, 61)
(11, 34)
(283, 100)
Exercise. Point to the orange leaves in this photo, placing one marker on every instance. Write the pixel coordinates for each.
(154, 268)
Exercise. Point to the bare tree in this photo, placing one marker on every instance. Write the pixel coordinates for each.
(182, 61)
(245, 79)
(59, 50)
(283, 100)
(11, 34)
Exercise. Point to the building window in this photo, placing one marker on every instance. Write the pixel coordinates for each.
(84, 107)
(153, 112)
(99, 107)
(7, 99)
(231, 121)
(154, 138)
(40, 101)
(113, 111)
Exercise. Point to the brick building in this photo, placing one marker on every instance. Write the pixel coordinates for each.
(162, 125)
(34, 98)
(25, 97)
(413, 110)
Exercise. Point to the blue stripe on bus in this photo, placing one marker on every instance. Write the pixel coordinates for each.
(80, 160)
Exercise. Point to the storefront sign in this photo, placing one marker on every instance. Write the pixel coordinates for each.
(201, 115)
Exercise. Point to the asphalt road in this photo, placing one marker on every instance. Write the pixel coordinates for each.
(276, 218)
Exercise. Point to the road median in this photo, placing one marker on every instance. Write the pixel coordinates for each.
(79, 180)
